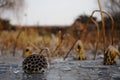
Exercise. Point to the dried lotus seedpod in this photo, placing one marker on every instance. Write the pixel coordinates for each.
(27, 51)
(79, 49)
(110, 56)
(35, 63)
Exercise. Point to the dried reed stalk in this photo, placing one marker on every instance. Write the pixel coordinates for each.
(29, 42)
(70, 50)
(60, 40)
(103, 25)
(47, 53)
(112, 21)
(15, 45)
(40, 50)
(98, 36)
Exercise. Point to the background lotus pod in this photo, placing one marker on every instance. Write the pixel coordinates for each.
(110, 55)
(79, 49)
(27, 51)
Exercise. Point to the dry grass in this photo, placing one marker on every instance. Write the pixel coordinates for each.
(11, 40)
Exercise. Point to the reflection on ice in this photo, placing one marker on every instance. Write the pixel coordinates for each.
(116, 76)
(64, 70)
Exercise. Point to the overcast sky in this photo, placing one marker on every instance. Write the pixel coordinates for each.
(56, 12)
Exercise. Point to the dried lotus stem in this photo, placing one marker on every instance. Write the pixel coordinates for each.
(70, 50)
(112, 21)
(103, 24)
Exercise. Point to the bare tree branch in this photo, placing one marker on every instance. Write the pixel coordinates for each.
(113, 6)
(14, 7)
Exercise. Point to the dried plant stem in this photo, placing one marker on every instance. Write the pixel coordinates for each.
(98, 37)
(55, 51)
(33, 45)
(15, 45)
(60, 40)
(70, 50)
(41, 50)
(103, 24)
(1, 47)
(47, 53)
(112, 21)
(98, 32)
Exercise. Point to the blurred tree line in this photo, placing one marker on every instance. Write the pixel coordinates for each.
(77, 28)
(113, 7)
(10, 8)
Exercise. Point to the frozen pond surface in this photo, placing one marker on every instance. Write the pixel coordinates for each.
(10, 69)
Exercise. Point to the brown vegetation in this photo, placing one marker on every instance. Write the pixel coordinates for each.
(47, 35)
